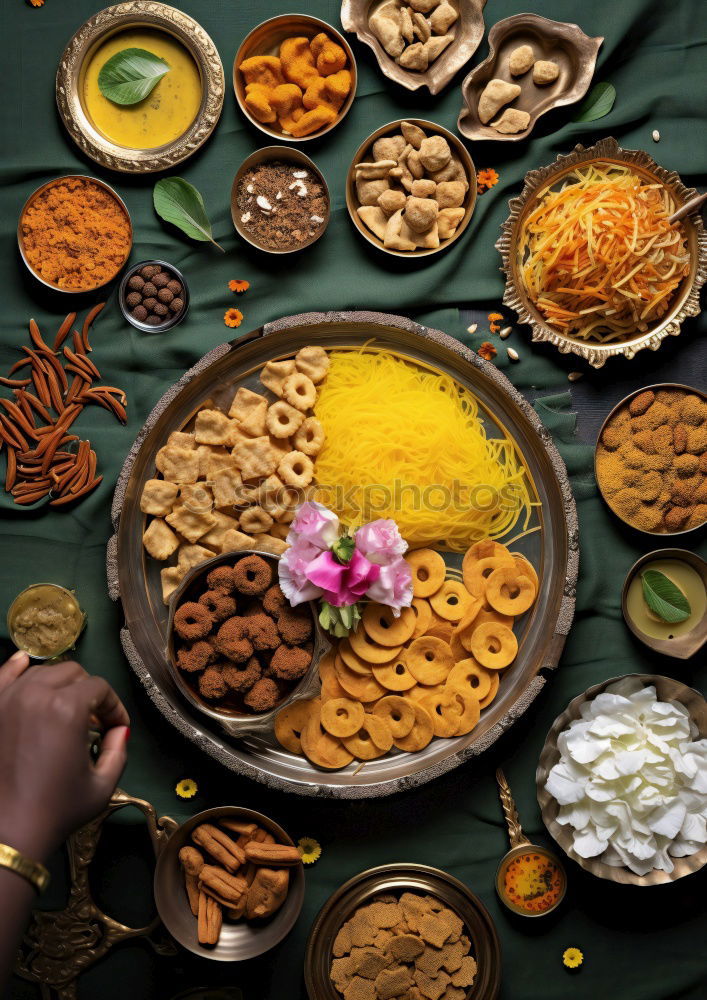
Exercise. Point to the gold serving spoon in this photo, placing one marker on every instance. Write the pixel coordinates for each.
(530, 880)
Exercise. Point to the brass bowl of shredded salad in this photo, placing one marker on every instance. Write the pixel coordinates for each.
(593, 263)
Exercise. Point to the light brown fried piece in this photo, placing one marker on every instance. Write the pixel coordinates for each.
(267, 892)
(209, 920)
(219, 845)
(272, 855)
(192, 862)
(227, 889)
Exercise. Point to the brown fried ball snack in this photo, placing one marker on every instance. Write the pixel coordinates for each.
(242, 678)
(219, 604)
(192, 621)
(195, 657)
(294, 626)
(252, 575)
(221, 578)
(262, 631)
(290, 663)
(274, 601)
(264, 695)
(232, 640)
(212, 684)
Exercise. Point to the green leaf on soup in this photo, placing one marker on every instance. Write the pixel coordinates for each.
(130, 75)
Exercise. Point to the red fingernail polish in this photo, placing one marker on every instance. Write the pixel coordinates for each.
(127, 733)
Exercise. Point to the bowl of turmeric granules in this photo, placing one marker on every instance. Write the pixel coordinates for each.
(651, 459)
(75, 234)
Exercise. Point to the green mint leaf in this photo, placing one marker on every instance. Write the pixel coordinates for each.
(343, 549)
(599, 103)
(177, 201)
(129, 76)
(663, 598)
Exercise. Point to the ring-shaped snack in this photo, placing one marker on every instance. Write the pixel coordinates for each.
(510, 591)
(429, 659)
(255, 521)
(494, 646)
(465, 628)
(384, 628)
(440, 628)
(470, 674)
(495, 681)
(421, 733)
(423, 611)
(299, 391)
(282, 420)
(289, 723)
(370, 651)
(219, 604)
(352, 661)
(458, 651)
(444, 710)
(395, 675)
(453, 601)
(362, 688)
(421, 691)
(527, 568)
(471, 711)
(253, 575)
(372, 740)
(487, 614)
(192, 621)
(342, 716)
(398, 713)
(320, 747)
(309, 437)
(330, 682)
(475, 573)
(428, 571)
(296, 469)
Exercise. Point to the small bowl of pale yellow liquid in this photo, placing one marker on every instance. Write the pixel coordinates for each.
(664, 602)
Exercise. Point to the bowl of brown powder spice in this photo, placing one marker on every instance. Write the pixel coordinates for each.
(279, 200)
(74, 234)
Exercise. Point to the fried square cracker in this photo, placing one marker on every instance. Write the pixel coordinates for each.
(368, 962)
(274, 374)
(360, 989)
(206, 452)
(249, 409)
(384, 915)
(171, 577)
(433, 930)
(342, 941)
(197, 497)
(431, 987)
(214, 536)
(159, 540)
(392, 982)
(236, 541)
(211, 427)
(158, 497)
(220, 460)
(270, 544)
(181, 439)
(255, 457)
(190, 523)
(192, 555)
(178, 465)
(405, 947)
(225, 486)
(464, 976)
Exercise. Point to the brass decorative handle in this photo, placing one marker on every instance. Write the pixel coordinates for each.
(59, 944)
(515, 831)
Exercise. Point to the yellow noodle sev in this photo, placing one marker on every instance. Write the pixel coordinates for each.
(600, 259)
(407, 443)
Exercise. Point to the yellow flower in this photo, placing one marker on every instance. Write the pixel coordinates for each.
(309, 849)
(233, 317)
(239, 285)
(186, 788)
(572, 958)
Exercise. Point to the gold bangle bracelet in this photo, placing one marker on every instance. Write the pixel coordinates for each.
(36, 874)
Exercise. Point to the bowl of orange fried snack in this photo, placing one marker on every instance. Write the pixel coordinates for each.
(398, 683)
(229, 884)
(294, 77)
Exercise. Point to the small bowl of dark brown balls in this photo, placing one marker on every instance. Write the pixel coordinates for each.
(237, 648)
(153, 296)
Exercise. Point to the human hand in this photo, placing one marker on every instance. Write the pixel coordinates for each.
(49, 786)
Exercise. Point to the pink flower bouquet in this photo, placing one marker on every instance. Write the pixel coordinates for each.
(340, 569)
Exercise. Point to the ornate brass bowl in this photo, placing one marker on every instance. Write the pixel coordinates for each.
(69, 77)
(667, 689)
(686, 299)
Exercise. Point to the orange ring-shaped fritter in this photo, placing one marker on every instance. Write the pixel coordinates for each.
(428, 571)
(510, 591)
(369, 651)
(398, 713)
(372, 740)
(395, 675)
(444, 711)
(453, 601)
(469, 673)
(494, 646)
(384, 628)
(421, 733)
(429, 659)
(342, 716)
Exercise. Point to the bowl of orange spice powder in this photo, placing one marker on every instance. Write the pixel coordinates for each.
(75, 234)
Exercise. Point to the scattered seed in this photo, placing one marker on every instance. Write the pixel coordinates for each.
(513, 355)
(656, 135)
(473, 328)
(575, 376)
(505, 332)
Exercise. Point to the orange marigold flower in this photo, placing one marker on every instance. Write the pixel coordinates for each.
(494, 317)
(487, 178)
(487, 351)
(494, 327)
(36, 3)
(239, 285)
(233, 317)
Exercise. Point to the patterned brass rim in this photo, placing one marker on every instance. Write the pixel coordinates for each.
(686, 301)
(667, 689)
(68, 78)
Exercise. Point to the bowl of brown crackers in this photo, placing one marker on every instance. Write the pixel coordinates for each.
(229, 884)
(403, 930)
(237, 649)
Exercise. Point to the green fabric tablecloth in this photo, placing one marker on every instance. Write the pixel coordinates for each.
(638, 944)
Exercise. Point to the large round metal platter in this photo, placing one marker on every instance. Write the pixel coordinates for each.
(551, 545)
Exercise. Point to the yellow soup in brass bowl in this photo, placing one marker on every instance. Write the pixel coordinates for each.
(166, 112)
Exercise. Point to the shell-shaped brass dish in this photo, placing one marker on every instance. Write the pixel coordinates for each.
(565, 44)
(667, 689)
(468, 32)
(686, 300)
(139, 13)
